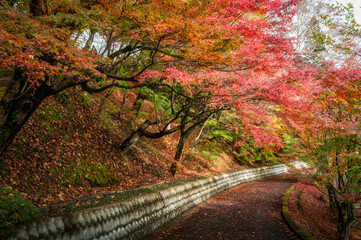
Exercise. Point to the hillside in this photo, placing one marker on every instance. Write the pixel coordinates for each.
(70, 149)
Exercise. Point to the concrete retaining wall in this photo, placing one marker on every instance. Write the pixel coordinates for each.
(134, 218)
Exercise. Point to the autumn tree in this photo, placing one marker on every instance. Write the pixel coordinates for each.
(46, 55)
(330, 134)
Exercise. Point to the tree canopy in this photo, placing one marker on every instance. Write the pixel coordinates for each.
(227, 49)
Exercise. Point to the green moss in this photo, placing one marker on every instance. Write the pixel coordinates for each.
(50, 112)
(158, 173)
(64, 97)
(209, 155)
(287, 216)
(150, 147)
(85, 171)
(86, 99)
(15, 210)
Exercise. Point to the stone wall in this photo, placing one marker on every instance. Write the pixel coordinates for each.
(134, 218)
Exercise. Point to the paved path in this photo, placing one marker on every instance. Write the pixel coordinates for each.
(248, 211)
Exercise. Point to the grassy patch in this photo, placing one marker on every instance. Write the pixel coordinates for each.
(86, 99)
(210, 155)
(85, 171)
(50, 112)
(15, 210)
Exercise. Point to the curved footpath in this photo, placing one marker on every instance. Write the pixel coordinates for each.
(248, 211)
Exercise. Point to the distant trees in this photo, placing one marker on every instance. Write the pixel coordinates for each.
(326, 32)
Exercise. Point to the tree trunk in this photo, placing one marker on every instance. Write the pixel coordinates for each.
(138, 103)
(134, 137)
(331, 199)
(345, 218)
(180, 146)
(104, 100)
(17, 105)
(37, 7)
(141, 132)
(122, 105)
(184, 135)
(173, 169)
(90, 40)
(196, 142)
(345, 213)
(190, 154)
(108, 45)
(194, 148)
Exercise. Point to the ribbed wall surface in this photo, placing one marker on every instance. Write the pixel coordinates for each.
(134, 218)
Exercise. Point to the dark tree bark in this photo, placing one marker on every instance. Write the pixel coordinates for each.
(185, 133)
(134, 137)
(38, 7)
(142, 132)
(345, 213)
(122, 105)
(138, 103)
(173, 169)
(188, 127)
(108, 46)
(104, 100)
(20, 101)
(181, 142)
(345, 218)
(17, 105)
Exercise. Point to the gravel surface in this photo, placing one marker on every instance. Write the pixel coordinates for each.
(248, 211)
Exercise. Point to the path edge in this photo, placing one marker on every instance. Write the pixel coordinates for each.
(303, 234)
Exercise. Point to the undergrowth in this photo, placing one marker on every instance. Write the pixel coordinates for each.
(85, 170)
